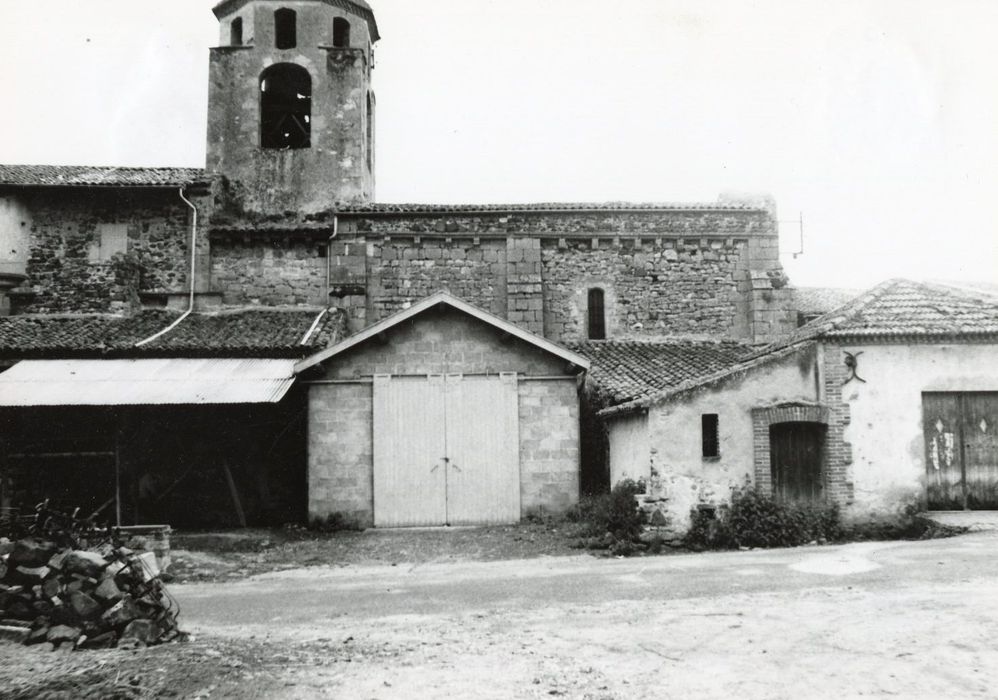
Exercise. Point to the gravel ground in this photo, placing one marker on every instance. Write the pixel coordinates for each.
(236, 555)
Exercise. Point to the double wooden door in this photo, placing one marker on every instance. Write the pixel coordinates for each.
(961, 449)
(446, 450)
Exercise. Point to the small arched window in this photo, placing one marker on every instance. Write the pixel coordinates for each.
(236, 32)
(285, 107)
(285, 28)
(341, 33)
(596, 315)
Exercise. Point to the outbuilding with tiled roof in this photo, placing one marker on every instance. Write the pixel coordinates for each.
(889, 401)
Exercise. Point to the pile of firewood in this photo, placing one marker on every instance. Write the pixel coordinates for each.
(80, 587)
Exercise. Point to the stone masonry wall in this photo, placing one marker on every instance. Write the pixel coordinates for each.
(63, 277)
(279, 273)
(671, 287)
(664, 273)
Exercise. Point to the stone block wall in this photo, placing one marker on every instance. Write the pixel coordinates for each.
(652, 288)
(341, 452)
(549, 445)
(278, 273)
(712, 273)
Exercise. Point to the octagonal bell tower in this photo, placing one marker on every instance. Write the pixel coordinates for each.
(290, 104)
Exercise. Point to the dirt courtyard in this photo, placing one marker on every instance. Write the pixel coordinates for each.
(874, 619)
(913, 619)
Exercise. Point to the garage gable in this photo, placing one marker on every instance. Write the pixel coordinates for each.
(444, 334)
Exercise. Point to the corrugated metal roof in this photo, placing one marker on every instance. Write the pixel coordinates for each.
(145, 382)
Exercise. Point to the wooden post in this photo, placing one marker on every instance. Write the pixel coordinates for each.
(235, 495)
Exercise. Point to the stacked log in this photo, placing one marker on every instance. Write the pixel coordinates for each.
(98, 597)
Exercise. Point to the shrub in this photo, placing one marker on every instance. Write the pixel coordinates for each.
(757, 519)
(611, 520)
(909, 524)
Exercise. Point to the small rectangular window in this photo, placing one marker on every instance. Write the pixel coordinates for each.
(710, 439)
(109, 240)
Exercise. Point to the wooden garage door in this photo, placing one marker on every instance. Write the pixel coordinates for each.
(446, 451)
(961, 445)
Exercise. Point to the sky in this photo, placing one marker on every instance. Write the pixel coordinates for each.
(876, 121)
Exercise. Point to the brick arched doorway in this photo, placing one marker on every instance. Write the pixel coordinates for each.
(795, 460)
(789, 449)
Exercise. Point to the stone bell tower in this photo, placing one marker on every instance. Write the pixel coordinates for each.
(290, 105)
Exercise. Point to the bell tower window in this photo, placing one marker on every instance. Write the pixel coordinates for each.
(285, 107)
(236, 32)
(285, 29)
(596, 315)
(341, 33)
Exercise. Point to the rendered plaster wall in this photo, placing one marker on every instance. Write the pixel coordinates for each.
(15, 228)
(335, 167)
(887, 467)
(678, 473)
(341, 451)
(65, 276)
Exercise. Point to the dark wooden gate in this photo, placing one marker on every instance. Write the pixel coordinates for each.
(795, 460)
(961, 450)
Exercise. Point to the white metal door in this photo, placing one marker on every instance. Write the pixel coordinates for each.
(483, 450)
(409, 451)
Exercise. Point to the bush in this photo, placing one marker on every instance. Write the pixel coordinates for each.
(906, 525)
(612, 520)
(757, 519)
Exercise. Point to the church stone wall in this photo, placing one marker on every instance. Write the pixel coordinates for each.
(689, 273)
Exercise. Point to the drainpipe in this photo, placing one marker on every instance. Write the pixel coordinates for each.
(329, 246)
(190, 299)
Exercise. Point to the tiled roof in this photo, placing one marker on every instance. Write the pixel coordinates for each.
(384, 208)
(248, 333)
(814, 301)
(733, 369)
(629, 370)
(89, 176)
(902, 308)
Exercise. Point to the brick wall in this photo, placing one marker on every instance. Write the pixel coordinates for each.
(838, 452)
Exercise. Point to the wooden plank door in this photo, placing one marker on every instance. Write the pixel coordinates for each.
(483, 450)
(409, 450)
(942, 425)
(980, 449)
(795, 460)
